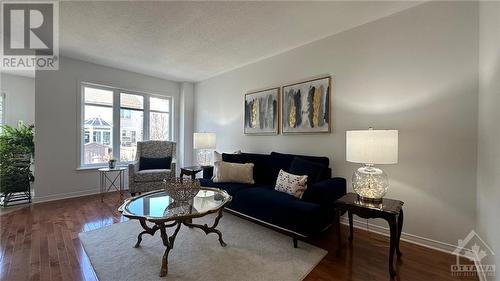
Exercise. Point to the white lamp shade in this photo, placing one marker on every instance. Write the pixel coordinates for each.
(372, 146)
(204, 140)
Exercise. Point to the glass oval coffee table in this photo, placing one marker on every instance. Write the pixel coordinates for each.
(158, 208)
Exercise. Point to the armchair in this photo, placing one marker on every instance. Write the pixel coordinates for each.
(147, 180)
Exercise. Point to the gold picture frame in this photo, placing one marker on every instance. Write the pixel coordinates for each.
(262, 112)
(306, 106)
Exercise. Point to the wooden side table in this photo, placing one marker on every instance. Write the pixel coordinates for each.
(107, 181)
(191, 171)
(389, 209)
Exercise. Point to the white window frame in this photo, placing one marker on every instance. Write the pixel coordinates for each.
(116, 129)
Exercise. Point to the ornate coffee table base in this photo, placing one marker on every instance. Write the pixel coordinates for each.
(168, 242)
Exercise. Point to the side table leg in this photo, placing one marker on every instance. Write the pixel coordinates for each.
(338, 211)
(392, 248)
(101, 185)
(351, 228)
(400, 228)
(122, 181)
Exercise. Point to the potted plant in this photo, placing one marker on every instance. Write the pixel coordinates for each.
(17, 149)
(112, 163)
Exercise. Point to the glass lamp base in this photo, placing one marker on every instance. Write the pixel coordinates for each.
(204, 157)
(370, 183)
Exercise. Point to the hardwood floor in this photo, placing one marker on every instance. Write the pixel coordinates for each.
(40, 242)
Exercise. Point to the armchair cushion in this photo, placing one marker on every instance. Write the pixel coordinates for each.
(155, 163)
(152, 175)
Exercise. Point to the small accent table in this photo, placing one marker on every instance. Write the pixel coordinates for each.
(389, 209)
(191, 171)
(108, 179)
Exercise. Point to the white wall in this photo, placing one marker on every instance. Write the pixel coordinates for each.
(56, 142)
(488, 170)
(415, 71)
(20, 98)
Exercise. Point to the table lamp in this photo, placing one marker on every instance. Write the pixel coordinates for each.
(203, 142)
(370, 147)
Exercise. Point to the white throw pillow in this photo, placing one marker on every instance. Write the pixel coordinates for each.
(233, 172)
(291, 184)
(217, 156)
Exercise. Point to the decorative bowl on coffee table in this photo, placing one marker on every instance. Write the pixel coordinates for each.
(182, 189)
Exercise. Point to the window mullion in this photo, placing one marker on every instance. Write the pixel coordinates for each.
(145, 133)
(116, 124)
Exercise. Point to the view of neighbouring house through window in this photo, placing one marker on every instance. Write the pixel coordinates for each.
(99, 128)
(131, 124)
(97, 125)
(159, 119)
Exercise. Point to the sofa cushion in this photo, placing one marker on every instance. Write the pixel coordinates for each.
(313, 170)
(263, 165)
(284, 161)
(235, 158)
(325, 192)
(231, 188)
(146, 163)
(152, 175)
(281, 209)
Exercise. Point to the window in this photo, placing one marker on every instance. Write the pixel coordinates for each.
(97, 117)
(106, 138)
(139, 116)
(87, 136)
(159, 119)
(132, 110)
(133, 137)
(125, 114)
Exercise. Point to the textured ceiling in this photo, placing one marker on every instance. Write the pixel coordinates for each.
(192, 41)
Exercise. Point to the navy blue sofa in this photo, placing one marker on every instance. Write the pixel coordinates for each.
(262, 204)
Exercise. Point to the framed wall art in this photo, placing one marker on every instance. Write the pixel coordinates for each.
(262, 112)
(306, 107)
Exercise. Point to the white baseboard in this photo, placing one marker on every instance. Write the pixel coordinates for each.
(53, 197)
(407, 237)
(411, 238)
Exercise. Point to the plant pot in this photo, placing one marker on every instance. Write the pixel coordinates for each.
(112, 164)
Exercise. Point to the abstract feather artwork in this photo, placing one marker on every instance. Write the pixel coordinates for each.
(306, 107)
(261, 112)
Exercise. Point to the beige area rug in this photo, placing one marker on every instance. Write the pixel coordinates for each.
(252, 253)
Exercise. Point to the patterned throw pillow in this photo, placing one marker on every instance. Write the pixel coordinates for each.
(291, 184)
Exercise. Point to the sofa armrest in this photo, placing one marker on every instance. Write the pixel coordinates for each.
(133, 168)
(326, 192)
